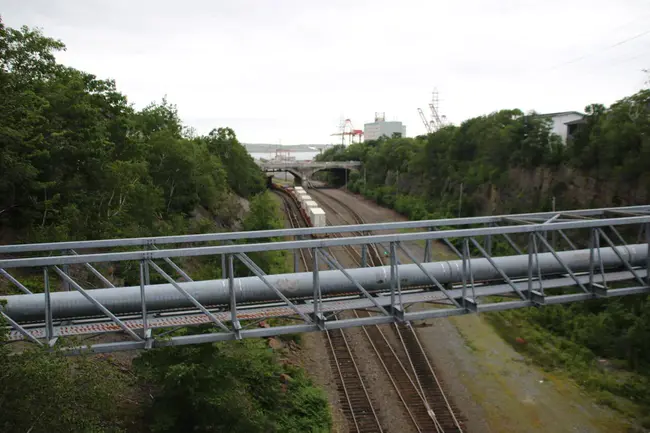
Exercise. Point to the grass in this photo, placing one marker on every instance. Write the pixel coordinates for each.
(564, 358)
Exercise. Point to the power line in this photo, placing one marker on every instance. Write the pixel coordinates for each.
(619, 43)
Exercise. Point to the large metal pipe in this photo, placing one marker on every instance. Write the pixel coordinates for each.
(23, 308)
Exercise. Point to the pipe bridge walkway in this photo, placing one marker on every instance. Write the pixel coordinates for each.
(503, 262)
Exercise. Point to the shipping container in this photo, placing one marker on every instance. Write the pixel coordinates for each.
(307, 204)
(317, 217)
(304, 198)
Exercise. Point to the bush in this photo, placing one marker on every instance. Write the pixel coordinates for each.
(229, 387)
(45, 392)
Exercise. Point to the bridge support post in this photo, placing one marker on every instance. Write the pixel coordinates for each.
(364, 255)
(647, 240)
(318, 317)
(537, 298)
(236, 326)
(143, 298)
(66, 270)
(295, 256)
(49, 326)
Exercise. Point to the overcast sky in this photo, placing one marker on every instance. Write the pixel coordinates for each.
(289, 70)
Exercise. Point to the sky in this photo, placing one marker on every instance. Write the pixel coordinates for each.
(288, 71)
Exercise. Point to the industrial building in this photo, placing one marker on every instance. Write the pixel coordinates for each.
(380, 127)
(565, 123)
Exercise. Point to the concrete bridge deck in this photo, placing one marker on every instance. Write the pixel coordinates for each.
(305, 170)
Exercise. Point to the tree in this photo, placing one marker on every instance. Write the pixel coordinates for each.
(229, 387)
(48, 392)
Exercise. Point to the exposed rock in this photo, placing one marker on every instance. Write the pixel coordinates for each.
(275, 344)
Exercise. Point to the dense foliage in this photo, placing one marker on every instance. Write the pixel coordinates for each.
(510, 162)
(45, 392)
(77, 161)
(230, 387)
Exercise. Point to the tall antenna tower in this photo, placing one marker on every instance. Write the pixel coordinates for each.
(436, 121)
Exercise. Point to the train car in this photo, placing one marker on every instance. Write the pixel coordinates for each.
(308, 204)
(317, 217)
(310, 210)
(304, 199)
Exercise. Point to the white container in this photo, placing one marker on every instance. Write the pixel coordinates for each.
(308, 204)
(317, 217)
(302, 198)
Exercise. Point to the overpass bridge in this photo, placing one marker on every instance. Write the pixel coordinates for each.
(504, 262)
(305, 170)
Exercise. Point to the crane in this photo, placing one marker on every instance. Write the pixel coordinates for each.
(437, 121)
(427, 124)
(347, 129)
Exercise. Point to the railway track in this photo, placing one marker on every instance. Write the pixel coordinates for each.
(356, 404)
(446, 416)
(407, 366)
(296, 221)
(374, 257)
(405, 363)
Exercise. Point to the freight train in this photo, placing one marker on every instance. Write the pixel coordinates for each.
(309, 209)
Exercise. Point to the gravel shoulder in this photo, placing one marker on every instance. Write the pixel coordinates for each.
(493, 386)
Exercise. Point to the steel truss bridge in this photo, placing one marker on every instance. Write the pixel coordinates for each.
(504, 262)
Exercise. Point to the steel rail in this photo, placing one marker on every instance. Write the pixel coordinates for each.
(431, 373)
(375, 342)
(375, 256)
(360, 417)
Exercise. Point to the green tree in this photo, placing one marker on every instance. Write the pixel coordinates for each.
(229, 387)
(48, 392)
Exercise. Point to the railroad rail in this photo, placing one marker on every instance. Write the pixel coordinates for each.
(296, 221)
(439, 405)
(373, 255)
(407, 367)
(413, 378)
(356, 404)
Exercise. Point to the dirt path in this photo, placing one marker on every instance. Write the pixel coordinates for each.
(494, 386)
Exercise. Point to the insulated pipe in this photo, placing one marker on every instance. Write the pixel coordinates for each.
(25, 308)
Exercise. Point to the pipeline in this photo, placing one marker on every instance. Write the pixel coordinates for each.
(122, 300)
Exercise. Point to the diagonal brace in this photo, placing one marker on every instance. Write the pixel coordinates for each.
(96, 303)
(177, 268)
(95, 272)
(498, 269)
(620, 257)
(338, 266)
(17, 283)
(20, 329)
(512, 244)
(260, 274)
(191, 298)
(450, 245)
(568, 241)
(561, 262)
(428, 274)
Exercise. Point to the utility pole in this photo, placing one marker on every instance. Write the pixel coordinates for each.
(460, 199)
(553, 232)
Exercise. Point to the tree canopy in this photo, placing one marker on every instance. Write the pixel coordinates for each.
(78, 161)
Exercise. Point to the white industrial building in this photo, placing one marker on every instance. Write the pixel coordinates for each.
(380, 128)
(565, 123)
